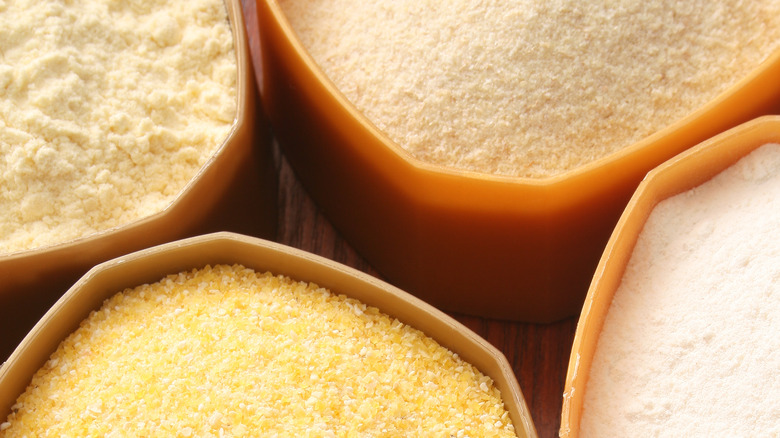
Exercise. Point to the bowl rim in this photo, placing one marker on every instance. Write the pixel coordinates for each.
(636, 151)
(679, 174)
(243, 117)
(151, 264)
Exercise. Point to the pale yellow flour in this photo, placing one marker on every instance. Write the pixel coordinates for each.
(107, 110)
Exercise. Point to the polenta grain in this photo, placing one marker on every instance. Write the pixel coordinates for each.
(227, 351)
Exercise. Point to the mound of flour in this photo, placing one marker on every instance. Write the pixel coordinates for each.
(107, 110)
(691, 343)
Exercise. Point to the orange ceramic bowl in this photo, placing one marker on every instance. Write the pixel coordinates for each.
(513, 248)
(152, 264)
(234, 190)
(680, 174)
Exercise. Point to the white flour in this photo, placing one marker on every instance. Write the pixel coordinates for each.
(107, 109)
(531, 88)
(691, 343)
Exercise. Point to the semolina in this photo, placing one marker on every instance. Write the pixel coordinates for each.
(531, 88)
(108, 109)
(228, 351)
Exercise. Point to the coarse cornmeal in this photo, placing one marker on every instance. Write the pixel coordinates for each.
(531, 88)
(225, 350)
(107, 110)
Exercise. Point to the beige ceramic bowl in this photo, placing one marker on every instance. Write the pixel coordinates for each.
(234, 191)
(151, 264)
(514, 248)
(677, 175)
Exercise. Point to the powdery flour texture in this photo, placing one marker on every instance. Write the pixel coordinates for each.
(690, 345)
(107, 110)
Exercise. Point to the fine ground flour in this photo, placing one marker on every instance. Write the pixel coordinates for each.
(531, 88)
(107, 109)
(690, 345)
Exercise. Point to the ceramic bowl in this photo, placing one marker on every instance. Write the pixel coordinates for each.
(154, 263)
(234, 191)
(679, 174)
(510, 248)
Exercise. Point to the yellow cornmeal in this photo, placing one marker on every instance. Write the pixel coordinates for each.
(107, 110)
(227, 351)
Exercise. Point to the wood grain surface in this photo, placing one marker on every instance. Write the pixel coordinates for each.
(538, 354)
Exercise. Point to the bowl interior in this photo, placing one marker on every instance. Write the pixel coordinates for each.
(739, 103)
(682, 173)
(234, 190)
(152, 264)
(528, 246)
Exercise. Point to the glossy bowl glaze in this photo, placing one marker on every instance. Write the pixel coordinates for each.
(510, 248)
(234, 190)
(151, 264)
(679, 174)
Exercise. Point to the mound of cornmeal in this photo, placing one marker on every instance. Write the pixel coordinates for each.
(227, 351)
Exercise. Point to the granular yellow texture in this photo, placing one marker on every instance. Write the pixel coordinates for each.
(108, 108)
(226, 351)
(531, 88)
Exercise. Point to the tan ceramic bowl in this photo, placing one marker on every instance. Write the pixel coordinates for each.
(151, 264)
(677, 175)
(234, 190)
(513, 248)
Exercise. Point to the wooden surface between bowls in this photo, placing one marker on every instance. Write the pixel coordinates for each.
(538, 354)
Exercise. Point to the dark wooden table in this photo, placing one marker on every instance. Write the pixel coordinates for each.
(539, 354)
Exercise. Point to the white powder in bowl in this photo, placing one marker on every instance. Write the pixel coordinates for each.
(531, 88)
(690, 345)
(107, 110)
